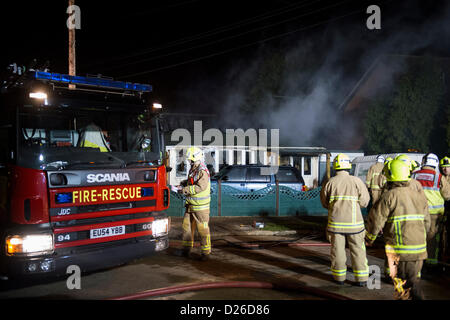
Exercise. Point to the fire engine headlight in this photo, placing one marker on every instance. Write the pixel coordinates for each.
(160, 227)
(38, 95)
(30, 244)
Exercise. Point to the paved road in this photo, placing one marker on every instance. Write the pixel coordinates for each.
(278, 263)
(296, 265)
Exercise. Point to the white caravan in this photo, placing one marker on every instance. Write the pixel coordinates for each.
(361, 165)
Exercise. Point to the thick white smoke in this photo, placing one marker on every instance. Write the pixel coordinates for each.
(306, 106)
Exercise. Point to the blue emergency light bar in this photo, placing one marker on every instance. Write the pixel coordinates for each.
(97, 82)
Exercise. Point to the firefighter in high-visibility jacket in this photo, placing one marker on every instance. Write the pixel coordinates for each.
(375, 179)
(344, 195)
(436, 191)
(197, 190)
(402, 213)
(93, 137)
(444, 164)
(413, 185)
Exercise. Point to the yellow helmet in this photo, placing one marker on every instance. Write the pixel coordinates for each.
(445, 162)
(342, 162)
(405, 159)
(194, 154)
(397, 171)
(388, 159)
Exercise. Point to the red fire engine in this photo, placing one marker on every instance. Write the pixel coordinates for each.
(81, 175)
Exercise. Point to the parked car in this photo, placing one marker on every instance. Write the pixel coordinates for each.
(249, 177)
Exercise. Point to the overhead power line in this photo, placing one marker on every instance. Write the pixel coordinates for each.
(219, 30)
(242, 46)
(229, 37)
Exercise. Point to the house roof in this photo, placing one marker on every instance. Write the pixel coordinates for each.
(377, 77)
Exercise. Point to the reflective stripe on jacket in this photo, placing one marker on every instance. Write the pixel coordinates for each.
(375, 178)
(92, 137)
(402, 214)
(88, 144)
(344, 195)
(431, 182)
(198, 189)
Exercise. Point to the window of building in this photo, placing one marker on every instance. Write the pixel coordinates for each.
(307, 166)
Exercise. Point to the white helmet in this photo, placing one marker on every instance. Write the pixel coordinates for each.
(431, 160)
(380, 158)
(194, 154)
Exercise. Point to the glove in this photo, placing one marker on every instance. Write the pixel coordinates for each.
(368, 242)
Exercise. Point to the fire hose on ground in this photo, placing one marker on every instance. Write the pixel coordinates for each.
(243, 284)
(259, 245)
(233, 284)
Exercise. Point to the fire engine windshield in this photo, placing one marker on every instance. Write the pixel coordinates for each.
(72, 139)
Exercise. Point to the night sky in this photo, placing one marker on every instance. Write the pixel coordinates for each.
(177, 46)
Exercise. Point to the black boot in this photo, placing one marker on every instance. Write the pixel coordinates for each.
(183, 253)
(204, 257)
(360, 283)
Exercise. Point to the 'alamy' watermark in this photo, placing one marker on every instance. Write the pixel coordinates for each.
(374, 281)
(374, 20)
(74, 19)
(251, 138)
(74, 280)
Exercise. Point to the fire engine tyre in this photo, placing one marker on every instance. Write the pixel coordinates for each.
(87, 260)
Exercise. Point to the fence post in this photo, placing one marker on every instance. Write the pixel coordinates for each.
(219, 197)
(328, 169)
(183, 206)
(277, 209)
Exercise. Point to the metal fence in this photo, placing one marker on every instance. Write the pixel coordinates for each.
(270, 201)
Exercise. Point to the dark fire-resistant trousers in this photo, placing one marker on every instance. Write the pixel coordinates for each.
(406, 283)
(434, 238)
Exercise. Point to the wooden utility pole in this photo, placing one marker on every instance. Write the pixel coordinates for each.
(72, 57)
(328, 169)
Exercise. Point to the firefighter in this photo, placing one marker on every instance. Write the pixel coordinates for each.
(402, 213)
(197, 190)
(94, 137)
(344, 195)
(413, 185)
(375, 179)
(444, 164)
(435, 190)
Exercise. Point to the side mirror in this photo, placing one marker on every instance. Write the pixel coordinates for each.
(168, 169)
(224, 178)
